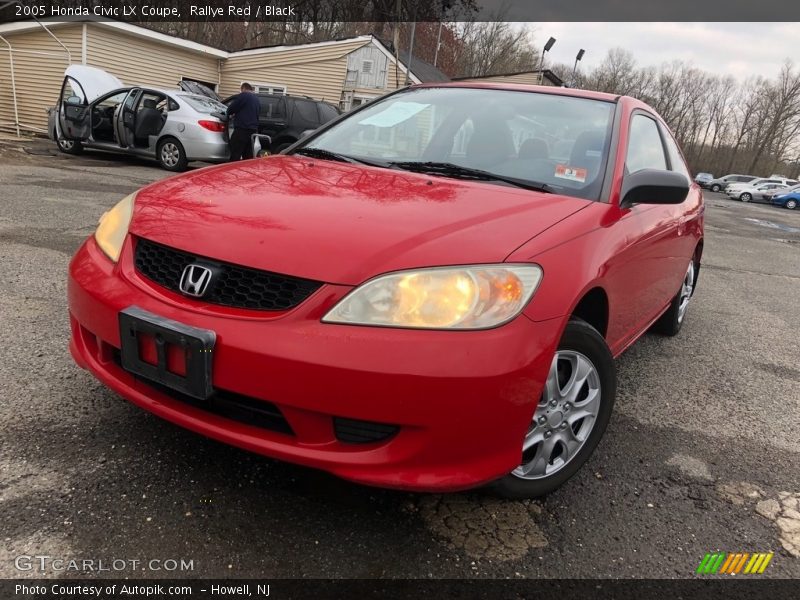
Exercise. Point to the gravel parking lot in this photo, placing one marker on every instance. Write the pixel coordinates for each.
(702, 453)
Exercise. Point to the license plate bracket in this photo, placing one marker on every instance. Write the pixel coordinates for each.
(197, 345)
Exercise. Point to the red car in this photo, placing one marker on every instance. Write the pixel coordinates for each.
(427, 293)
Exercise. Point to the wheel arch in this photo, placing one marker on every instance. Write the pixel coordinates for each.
(593, 307)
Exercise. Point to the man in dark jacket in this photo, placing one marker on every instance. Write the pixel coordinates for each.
(244, 109)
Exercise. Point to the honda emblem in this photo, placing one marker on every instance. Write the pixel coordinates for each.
(195, 280)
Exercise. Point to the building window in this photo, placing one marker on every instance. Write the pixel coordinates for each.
(269, 88)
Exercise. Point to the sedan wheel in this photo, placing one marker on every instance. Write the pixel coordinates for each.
(564, 418)
(715, 188)
(686, 292)
(791, 204)
(570, 416)
(746, 197)
(671, 321)
(69, 146)
(171, 155)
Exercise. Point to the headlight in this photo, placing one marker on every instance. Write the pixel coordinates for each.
(113, 227)
(469, 297)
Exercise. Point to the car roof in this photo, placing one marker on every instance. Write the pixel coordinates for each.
(520, 87)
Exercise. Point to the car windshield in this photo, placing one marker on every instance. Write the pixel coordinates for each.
(555, 142)
(203, 104)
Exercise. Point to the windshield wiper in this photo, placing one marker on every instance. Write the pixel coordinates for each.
(328, 155)
(452, 170)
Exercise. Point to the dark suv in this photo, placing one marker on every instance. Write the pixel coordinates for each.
(285, 118)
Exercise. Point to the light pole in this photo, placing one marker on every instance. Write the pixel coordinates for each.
(547, 47)
(581, 52)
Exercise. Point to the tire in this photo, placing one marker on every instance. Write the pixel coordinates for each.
(716, 187)
(746, 197)
(69, 146)
(791, 204)
(281, 147)
(670, 322)
(171, 155)
(581, 345)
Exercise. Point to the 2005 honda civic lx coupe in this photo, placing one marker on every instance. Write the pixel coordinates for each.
(427, 293)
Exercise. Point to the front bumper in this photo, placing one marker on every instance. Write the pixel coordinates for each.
(462, 400)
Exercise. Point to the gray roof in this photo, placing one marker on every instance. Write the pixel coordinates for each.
(426, 72)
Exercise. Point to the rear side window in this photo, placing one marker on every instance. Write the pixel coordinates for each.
(307, 109)
(327, 112)
(675, 158)
(645, 150)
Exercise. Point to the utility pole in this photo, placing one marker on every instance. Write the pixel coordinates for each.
(410, 52)
(438, 43)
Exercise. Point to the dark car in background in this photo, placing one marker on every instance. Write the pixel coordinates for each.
(285, 119)
(703, 179)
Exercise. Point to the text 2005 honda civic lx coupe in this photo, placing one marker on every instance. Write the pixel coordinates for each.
(427, 293)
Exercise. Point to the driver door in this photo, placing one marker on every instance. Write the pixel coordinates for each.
(74, 112)
(126, 118)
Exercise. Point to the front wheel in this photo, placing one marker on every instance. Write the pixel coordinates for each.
(69, 146)
(171, 155)
(570, 417)
(791, 204)
(715, 188)
(746, 197)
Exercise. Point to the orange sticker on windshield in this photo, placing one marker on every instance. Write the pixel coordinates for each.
(571, 173)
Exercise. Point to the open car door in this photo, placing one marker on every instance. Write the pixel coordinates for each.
(193, 87)
(82, 85)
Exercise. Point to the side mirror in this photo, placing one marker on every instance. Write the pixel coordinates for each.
(75, 100)
(653, 186)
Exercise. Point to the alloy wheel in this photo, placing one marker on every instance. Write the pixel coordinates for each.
(564, 418)
(745, 197)
(791, 204)
(66, 144)
(170, 154)
(686, 291)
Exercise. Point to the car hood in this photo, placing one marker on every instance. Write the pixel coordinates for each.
(95, 82)
(338, 222)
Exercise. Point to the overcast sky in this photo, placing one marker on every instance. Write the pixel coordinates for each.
(738, 49)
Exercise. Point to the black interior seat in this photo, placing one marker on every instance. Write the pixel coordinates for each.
(491, 143)
(148, 121)
(587, 152)
(534, 148)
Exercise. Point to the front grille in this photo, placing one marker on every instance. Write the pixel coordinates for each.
(232, 285)
(355, 431)
(230, 405)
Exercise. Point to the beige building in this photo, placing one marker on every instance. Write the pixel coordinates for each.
(344, 72)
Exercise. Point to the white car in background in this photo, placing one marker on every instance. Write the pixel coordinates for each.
(746, 193)
(95, 110)
(733, 187)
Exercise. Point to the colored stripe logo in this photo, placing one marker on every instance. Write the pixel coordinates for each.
(734, 563)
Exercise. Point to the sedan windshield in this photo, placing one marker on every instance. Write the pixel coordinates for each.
(541, 141)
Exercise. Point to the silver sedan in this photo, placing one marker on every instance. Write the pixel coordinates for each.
(95, 110)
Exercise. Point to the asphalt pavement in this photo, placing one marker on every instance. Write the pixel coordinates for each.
(701, 455)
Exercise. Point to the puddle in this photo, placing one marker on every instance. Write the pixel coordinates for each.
(772, 225)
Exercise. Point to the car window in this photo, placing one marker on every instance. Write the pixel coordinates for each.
(543, 138)
(645, 150)
(327, 112)
(72, 91)
(675, 158)
(152, 100)
(112, 100)
(203, 104)
(307, 109)
(271, 107)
